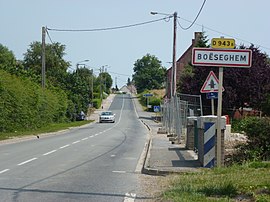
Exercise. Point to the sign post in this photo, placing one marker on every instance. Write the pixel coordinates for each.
(210, 87)
(220, 58)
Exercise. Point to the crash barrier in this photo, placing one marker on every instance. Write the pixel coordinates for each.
(207, 140)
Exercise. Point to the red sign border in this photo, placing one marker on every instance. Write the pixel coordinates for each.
(221, 50)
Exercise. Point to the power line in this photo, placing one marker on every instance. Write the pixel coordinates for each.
(109, 28)
(186, 28)
(225, 34)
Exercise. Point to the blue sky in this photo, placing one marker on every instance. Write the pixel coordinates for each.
(21, 23)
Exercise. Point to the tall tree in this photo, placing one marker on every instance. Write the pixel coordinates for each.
(56, 66)
(148, 73)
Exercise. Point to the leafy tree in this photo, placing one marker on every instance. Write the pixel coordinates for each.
(7, 59)
(148, 73)
(105, 80)
(56, 66)
(243, 87)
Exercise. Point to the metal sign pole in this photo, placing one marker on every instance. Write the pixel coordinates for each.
(219, 110)
(213, 106)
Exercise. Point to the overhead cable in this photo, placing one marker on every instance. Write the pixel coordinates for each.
(109, 28)
(186, 28)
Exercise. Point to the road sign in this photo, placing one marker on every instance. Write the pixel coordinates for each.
(221, 57)
(156, 108)
(210, 84)
(147, 95)
(223, 43)
(212, 95)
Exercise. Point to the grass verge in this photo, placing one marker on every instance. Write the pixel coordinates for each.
(249, 182)
(46, 129)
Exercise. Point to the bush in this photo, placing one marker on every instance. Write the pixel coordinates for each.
(257, 131)
(24, 105)
(96, 103)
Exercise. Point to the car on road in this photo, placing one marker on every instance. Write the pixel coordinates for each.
(107, 116)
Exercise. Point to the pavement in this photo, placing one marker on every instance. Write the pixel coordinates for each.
(161, 157)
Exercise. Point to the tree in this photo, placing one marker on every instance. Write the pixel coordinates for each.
(105, 80)
(243, 87)
(56, 66)
(148, 73)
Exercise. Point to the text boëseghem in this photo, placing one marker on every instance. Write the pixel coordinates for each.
(221, 57)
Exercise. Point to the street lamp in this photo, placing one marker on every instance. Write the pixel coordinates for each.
(173, 70)
(81, 63)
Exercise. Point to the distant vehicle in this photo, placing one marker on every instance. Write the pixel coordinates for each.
(107, 116)
(80, 116)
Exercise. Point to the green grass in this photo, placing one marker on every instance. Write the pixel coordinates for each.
(251, 181)
(46, 129)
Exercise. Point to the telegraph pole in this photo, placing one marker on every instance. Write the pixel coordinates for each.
(43, 69)
(173, 78)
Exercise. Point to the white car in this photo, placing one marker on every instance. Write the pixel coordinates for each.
(107, 116)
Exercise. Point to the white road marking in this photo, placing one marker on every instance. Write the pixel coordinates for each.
(67, 145)
(28, 161)
(91, 136)
(119, 171)
(3, 171)
(130, 197)
(50, 152)
(84, 139)
(112, 155)
(76, 142)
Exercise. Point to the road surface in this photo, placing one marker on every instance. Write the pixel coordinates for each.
(96, 162)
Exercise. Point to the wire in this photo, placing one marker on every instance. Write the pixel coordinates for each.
(225, 34)
(109, 28)
(119, 73)
(186, 28)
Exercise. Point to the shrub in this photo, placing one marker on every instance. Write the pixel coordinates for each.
(96, 103)
(25, 106)
(258, 144)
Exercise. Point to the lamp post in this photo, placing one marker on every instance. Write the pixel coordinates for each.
(173, 70)
(173, 100)
(101, 69)
(80, 63)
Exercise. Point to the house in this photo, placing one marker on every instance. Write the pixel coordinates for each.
(184, 60)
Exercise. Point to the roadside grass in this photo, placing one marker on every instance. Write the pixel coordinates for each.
(46, 129)
(249, 182)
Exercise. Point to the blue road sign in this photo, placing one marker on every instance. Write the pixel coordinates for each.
(148, 95)
(156, 108)
(212, 95)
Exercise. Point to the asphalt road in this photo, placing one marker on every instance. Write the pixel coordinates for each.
(96, 162)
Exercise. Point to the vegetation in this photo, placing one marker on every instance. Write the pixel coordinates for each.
(257, 148)
(243, 87)
(25, 106)
(53, 127)
(148, 73)
(247, 182)
(154, 100)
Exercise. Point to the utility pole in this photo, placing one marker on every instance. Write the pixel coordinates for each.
(173, 77)
(43, 69)
(100, 75)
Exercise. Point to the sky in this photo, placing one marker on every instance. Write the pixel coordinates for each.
(21, 22)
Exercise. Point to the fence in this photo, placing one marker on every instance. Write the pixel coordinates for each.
(175, 112)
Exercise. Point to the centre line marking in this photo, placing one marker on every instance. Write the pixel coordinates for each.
(118, 171)
(3, 171)
(50, 152)
(28, 161)
(85, 138)
(76, 142)
(67, 145)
